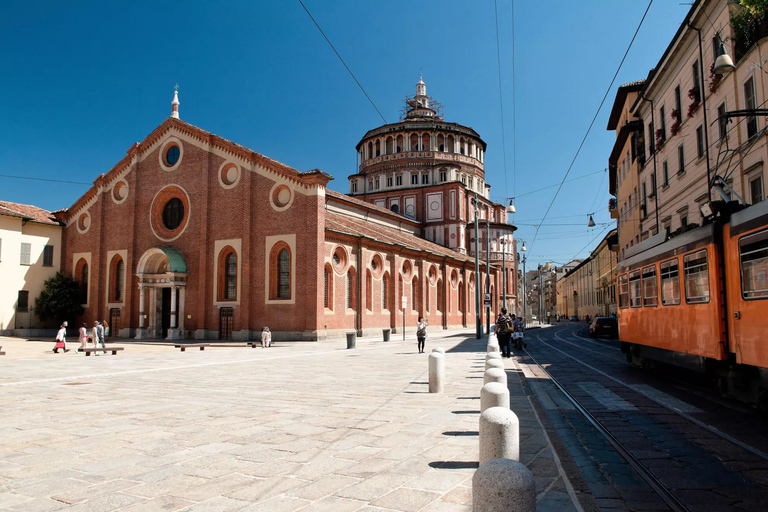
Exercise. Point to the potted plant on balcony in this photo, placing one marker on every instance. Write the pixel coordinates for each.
(694, 93)
(714, 78)
(676, 125)
(661, 138)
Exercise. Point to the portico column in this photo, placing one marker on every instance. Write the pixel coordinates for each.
(173, 306)
(141, 305)
(182, 309)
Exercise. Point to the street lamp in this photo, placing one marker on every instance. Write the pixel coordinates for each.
(591, 222)
(478, 322)
(523, 249)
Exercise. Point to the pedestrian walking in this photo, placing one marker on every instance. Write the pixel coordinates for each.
(61, 339)
(95, 335)
(100, 332)
(266, 337)
(106, 330)
(504, 328)
(421, 333)
(83, 339)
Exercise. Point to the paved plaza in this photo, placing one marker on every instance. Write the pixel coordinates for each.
(300, 426)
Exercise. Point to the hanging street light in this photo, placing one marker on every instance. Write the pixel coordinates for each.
(591, 222)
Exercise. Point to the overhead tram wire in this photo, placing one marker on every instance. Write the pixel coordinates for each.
(44, 179)
(514, 105)
(591, 124)
(501, 100)
(342, 61)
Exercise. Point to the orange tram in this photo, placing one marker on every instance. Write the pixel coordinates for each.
(700, 301)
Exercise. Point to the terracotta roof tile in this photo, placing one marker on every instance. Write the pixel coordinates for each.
(28, 212)
(359, 227)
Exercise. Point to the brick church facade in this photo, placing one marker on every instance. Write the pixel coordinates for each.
(193, 236)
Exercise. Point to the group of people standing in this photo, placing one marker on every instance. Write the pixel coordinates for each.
(506, 326)
(98, 335)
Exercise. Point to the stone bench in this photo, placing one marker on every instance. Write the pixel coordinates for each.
(1, 351)
(255, 344)
(90, 350)
(193, 345)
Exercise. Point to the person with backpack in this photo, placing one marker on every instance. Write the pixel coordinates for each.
(504, 329)
(421, 333)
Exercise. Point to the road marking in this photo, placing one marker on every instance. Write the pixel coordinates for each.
(665, 399)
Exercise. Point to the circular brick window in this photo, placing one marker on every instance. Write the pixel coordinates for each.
(229, 175)
(454, 278)
(377, 265)
(407, 269)
(432, 274)
(281, 197)
(170, 212)
(120, 191)
(84, 222)
(171, 154)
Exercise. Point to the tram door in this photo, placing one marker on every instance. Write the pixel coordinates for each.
(226, 321)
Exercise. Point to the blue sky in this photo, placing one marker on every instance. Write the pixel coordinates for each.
(84, 80)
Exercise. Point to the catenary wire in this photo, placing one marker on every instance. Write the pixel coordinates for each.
(591, 124)
(44, 179)
(501, 99)
(342, 61)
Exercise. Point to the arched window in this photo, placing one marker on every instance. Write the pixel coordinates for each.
(84, 284)
(384, 286)
(349, 289)
(227, 274)
(414, 294)
(118, 276)
(283, 274)
(368, 290)
(461, 297)
(326, 278)
(280, 284)
(439, 295)
(231, 276)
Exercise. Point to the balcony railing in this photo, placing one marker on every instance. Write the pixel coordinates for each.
(434, 155)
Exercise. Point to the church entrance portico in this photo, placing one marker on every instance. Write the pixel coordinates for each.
(162, 277)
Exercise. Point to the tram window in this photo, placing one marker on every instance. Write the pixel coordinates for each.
(635, 293)
(650, 288)
(670, 283)
(753, 260)
(623, 291)
(696, 272)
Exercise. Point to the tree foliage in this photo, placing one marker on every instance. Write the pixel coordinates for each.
(59, 300)
(749, 24)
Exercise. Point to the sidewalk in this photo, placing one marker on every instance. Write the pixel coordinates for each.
(301, 426)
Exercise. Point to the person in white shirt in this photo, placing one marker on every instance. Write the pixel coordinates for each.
(266, 338)
(61, 338)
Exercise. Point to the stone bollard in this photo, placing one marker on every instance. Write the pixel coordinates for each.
(439, 349)
(436, 372)
(495, 375)
(503, 484)
(494, 394)
(499, 434)
(494, 363)
(493, 355)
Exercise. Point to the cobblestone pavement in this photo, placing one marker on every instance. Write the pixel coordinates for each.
(300, 426)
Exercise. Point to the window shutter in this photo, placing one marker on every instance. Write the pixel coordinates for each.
(26, 251)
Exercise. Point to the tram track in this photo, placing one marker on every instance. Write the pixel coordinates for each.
(667, 493)
(667, 406)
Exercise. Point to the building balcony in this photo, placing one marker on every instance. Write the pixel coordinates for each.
(438, 156)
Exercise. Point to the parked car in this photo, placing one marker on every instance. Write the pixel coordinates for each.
(604, 326)
(574, 318)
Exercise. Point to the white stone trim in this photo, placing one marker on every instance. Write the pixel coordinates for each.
(164, 149)
(123, 253)
(87, 257)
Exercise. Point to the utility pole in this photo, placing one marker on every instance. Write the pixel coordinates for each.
(488, 268)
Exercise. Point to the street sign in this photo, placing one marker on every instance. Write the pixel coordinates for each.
(405, 302)
(486, 299)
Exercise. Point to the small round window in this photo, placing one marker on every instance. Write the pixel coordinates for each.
(172, 155)
(173, 213)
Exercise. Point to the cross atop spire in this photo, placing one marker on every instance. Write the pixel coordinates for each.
(175, 103)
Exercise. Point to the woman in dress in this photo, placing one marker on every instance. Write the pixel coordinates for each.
(83, 339)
